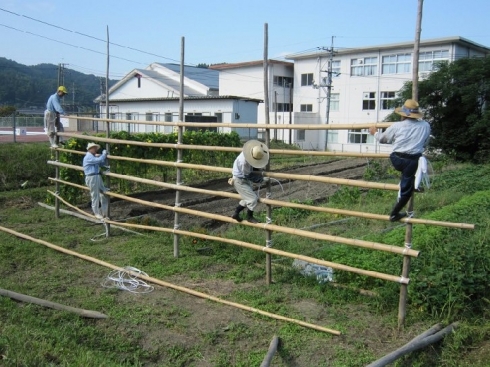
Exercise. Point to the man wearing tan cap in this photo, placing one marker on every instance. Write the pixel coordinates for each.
(409, 138)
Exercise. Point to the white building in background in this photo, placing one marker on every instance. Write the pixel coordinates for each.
(364, 80)
(247, 79)
(153, 94)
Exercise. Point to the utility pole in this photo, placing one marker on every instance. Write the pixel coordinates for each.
(61, 74)
(326, 85)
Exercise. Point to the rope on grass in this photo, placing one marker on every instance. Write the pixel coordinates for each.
(126, 279)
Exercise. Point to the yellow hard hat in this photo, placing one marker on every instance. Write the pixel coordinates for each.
(62, 89)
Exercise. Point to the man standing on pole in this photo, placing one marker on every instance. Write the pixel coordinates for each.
(52, 114)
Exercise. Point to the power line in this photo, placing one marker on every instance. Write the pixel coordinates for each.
(86, 35)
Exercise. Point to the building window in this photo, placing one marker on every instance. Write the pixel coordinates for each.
(300, 135)
(128, 116)
(168, 117)
(149, 116)
(306, 108)
(282, 107)
(335, 68)
(332, 136)
(369, 101)
(306, 79)
(396, 64)
(360, 136)
(334, 101)
(364, 67)
(112, 116)
(386, 100)
(219, 116)
(283, 81)
(427, 59)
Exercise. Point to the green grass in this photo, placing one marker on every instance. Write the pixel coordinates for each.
(171, 328)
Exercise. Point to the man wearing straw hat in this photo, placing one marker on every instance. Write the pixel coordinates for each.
(91, 164)
(409, 138)
(254, 155)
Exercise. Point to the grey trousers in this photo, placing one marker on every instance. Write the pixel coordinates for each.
(97, 189)
(245, 189)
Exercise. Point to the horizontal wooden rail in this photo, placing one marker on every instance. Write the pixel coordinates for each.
(353, 126)
(212, 148)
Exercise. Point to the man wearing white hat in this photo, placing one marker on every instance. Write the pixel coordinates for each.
(91, 164)
(52, 115)
(409, 138)
(254, 155)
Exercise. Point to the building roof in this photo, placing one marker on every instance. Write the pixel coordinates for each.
(389, 46)
(188, 98)
(248, 64)
(208, 77)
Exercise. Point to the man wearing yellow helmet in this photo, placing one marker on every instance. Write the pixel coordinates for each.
(52, 114)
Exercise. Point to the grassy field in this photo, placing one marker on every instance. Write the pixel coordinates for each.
(449, 282)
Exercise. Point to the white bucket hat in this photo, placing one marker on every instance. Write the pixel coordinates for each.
(91, 145)
(256, 153)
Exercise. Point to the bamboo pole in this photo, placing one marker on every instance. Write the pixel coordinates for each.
(54, 305)
(180, 132)
(108, 129)
(267, 250)
(351, 126)
(329, 180)
(285, 203)
(268, 233)
(216, 148)
(293, 231)
(170, 285)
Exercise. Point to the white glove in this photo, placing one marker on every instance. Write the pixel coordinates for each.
(266, 179)
(231, 181)
(104, 152)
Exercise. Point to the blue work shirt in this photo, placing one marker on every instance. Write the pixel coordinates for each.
(54, 104)
(91, 163)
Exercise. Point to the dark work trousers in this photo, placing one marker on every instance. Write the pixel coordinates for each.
(408, 167)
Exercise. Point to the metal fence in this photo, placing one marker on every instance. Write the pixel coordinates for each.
(22, 121)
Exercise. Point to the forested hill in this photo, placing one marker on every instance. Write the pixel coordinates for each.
(27, 87)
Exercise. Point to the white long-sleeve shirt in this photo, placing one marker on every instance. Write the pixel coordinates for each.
(409, 136)
(241, 168)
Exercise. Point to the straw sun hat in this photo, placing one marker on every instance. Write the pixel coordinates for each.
(409, 109)
(256, 153)
(91, 145)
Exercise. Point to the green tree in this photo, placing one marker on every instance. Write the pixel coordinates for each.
(7, 110)
(456, 101)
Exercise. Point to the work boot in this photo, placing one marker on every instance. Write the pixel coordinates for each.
(250, 217)
(236, 215)
(395, 214)
(52, 142)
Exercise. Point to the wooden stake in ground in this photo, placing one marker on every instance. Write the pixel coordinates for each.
(56, 306)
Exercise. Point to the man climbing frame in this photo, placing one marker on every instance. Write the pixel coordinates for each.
(255, 155)
(409, 138)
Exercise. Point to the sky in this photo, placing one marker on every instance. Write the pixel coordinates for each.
(141, 32)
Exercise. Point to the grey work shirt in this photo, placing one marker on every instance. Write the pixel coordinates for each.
(409, 136)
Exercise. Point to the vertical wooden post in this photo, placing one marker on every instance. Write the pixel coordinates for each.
(108, 133)
(268, 241)
(179, 151)
(402, 304)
